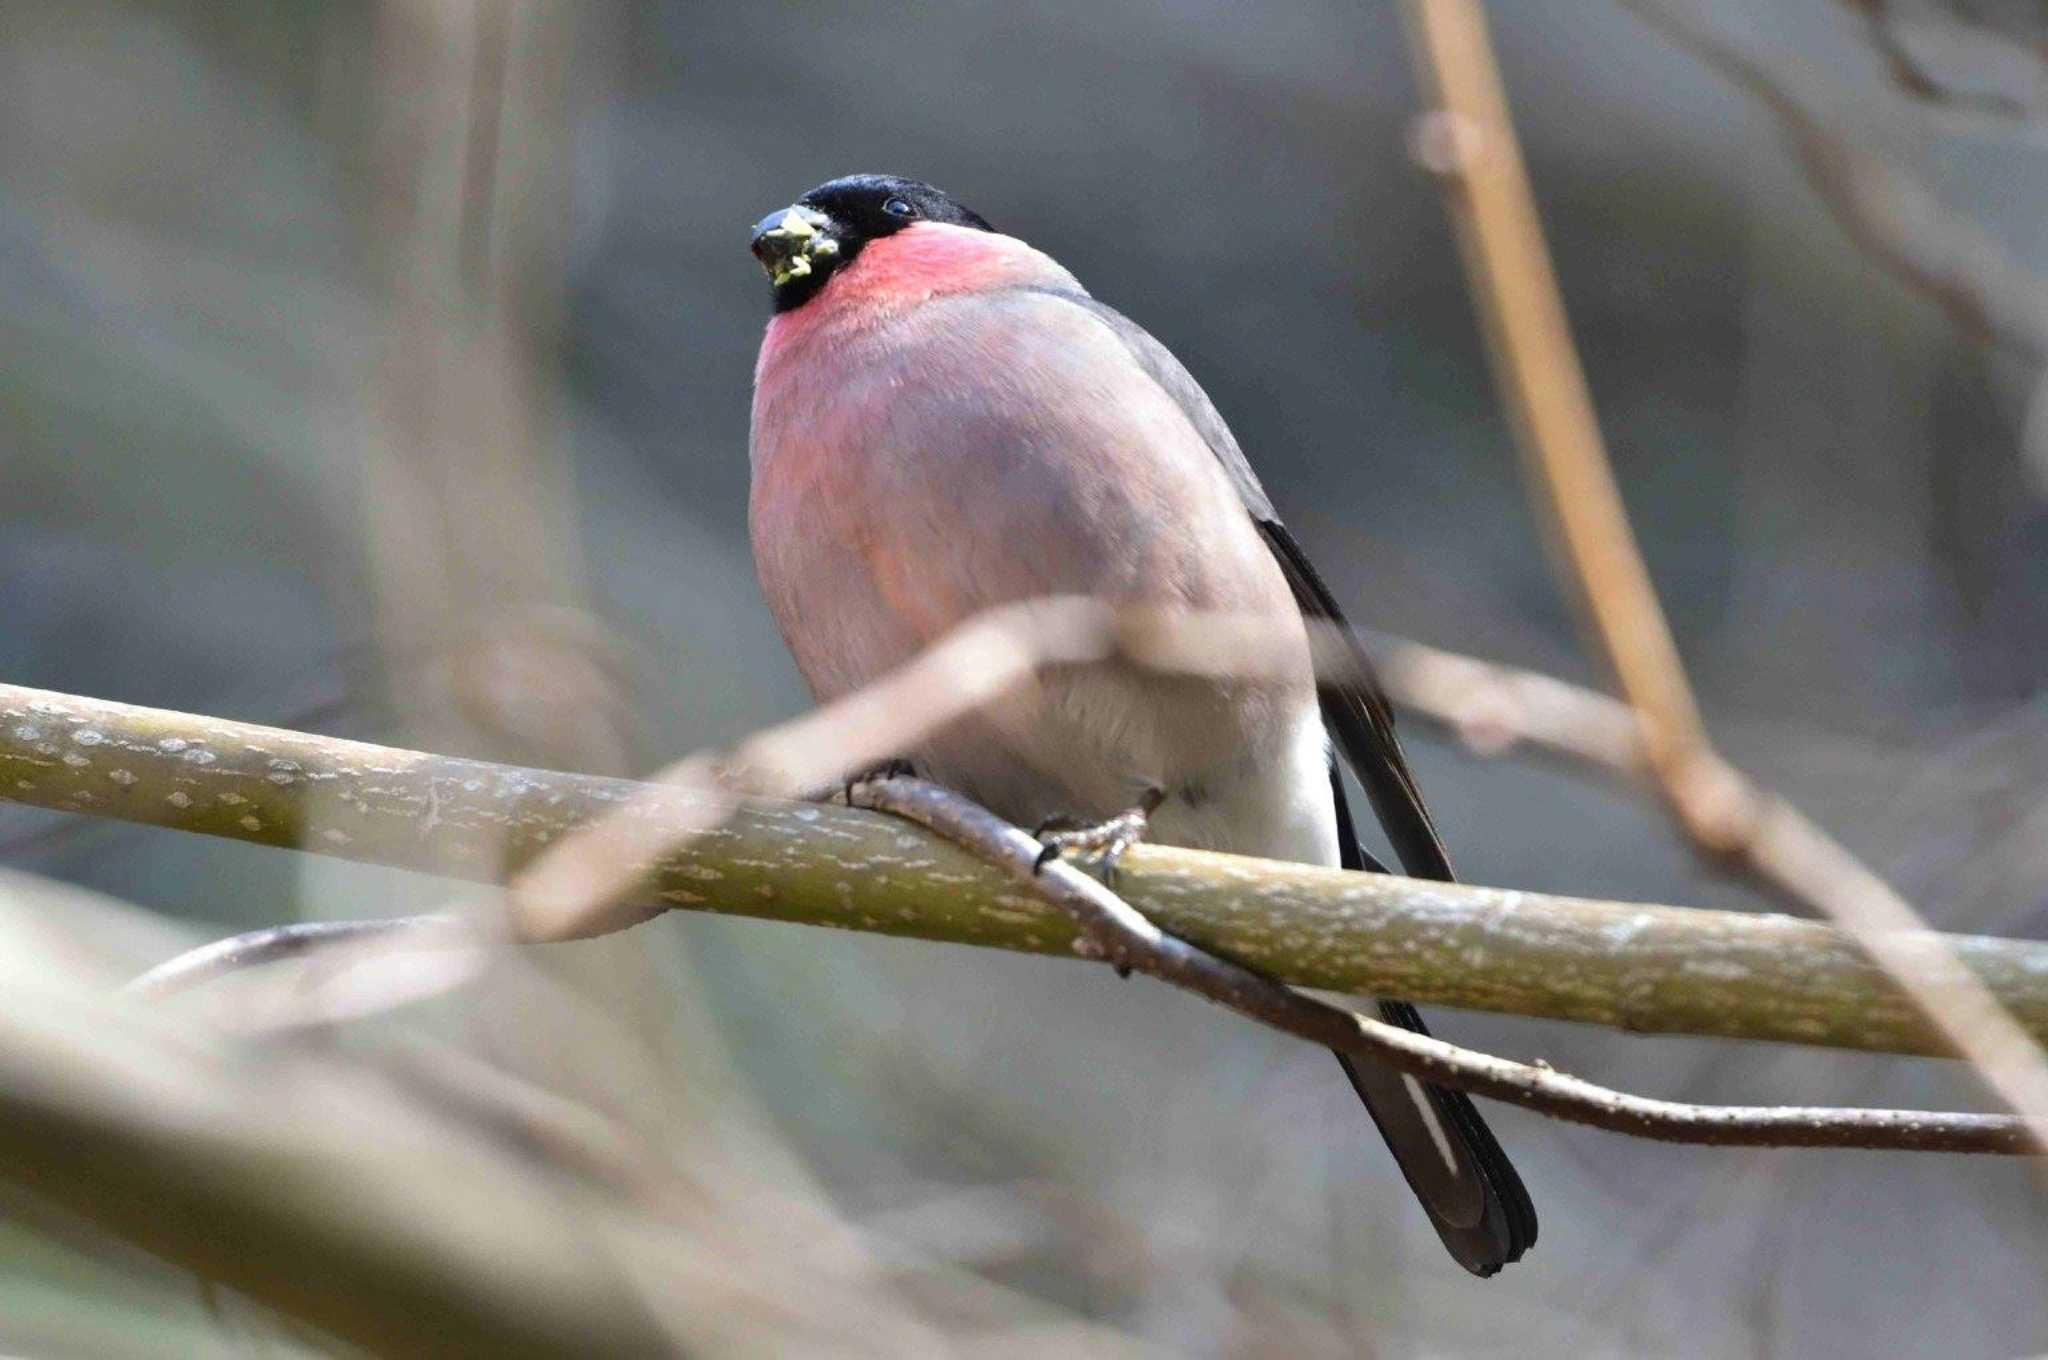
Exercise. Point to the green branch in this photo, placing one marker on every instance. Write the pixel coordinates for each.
(1655, 969)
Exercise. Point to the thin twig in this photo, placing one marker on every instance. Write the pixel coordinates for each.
(1114, 931)
(274, 943)
(1497, 710)
(1538, 369)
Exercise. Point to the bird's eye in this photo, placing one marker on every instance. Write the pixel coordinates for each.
(899, 207)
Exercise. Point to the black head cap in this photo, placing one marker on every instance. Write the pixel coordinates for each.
(877, 205)
(802, 246)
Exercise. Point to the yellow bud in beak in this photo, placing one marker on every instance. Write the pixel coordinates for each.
(789, 243)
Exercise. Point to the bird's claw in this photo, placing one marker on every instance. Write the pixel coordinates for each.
(893, 768)
(1103, 842)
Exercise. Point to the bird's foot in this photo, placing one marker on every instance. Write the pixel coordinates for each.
(1104, 841)
(893, 768)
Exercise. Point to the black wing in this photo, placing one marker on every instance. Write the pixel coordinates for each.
(1477, 1202)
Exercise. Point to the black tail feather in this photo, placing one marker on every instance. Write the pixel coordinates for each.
(1452, 1161)
(1478, 1204)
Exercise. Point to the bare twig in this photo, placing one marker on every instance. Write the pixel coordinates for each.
(273, 943)
(1538, 368)
(1113, 930)
(567, 890)
(1497, 710)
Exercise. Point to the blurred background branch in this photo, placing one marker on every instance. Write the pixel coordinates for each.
(407, 1198)
(1988, 60)
(1883, 207)
(369, 1218)
(1990, 294)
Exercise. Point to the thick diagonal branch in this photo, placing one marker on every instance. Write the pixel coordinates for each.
(1637, 967)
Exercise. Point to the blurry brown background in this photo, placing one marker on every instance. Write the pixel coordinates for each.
(384, 368)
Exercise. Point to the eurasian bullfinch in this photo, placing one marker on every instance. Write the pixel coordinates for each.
(945, 421)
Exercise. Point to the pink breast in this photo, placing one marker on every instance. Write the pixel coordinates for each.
(900, 271)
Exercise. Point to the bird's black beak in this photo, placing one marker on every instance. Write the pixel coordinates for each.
(792, 243)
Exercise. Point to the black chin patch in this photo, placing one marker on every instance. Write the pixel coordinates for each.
(795, 291)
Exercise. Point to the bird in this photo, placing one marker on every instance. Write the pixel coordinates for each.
(946, 421)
